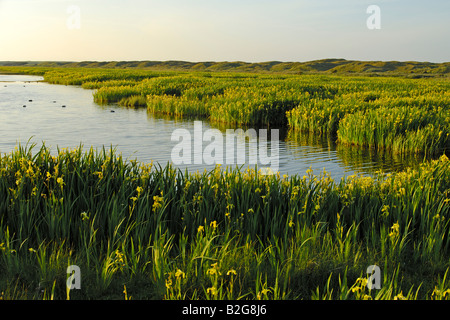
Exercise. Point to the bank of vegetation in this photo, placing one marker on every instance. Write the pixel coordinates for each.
(160, 233)
(394, 114)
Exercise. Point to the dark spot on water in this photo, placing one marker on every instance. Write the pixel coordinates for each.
(63, 106)
(30, 100)
(24, 106)
(112, 111)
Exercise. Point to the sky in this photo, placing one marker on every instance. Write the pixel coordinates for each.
(224, 30)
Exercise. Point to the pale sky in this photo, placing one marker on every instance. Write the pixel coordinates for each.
(223, 30)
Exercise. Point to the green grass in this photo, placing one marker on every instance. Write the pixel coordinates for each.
(401, 129)
(394, 114)
(161, 233)
(327, 66)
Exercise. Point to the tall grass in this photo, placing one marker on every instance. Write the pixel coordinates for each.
(151, 232)
(365, 111)
(401, 129)
(223, 234)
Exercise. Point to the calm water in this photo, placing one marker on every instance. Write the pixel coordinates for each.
(139, 135)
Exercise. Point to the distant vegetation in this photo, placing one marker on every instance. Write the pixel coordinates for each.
(339, 66)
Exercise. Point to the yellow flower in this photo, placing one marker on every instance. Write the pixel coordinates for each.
(395, 229)
(200, 229)
(211, 271)
(212, 291)
(265, 291)
(213, 224)
(60, 181)
(291, 224)
(139, 190)
(363, 281)
(231, 271)
(180, 274)
(446, 292)
(125, 292)
(168, 283)
(400, 296)
(99, 174)
(30, 171)
(157, 202)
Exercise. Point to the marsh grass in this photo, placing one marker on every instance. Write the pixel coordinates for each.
(133, 101)
(223, 234)
(394, 114)
(151, 232)
(402, 129)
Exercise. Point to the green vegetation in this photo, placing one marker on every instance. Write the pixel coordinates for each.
(339, 66)
(399, 115)
(160, 233)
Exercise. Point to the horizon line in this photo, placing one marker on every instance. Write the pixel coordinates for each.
(229, 61)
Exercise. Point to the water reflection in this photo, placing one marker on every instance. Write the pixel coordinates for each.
(346, 159)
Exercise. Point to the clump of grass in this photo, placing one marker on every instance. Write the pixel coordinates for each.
(133, 101)
(402, 130)
(105, 95)
(177, 106)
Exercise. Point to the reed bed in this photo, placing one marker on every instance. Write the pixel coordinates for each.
(401, 129)
(150, 232)
(145, 231)
(355, 110)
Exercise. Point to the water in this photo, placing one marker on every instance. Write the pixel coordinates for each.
(144, 137)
